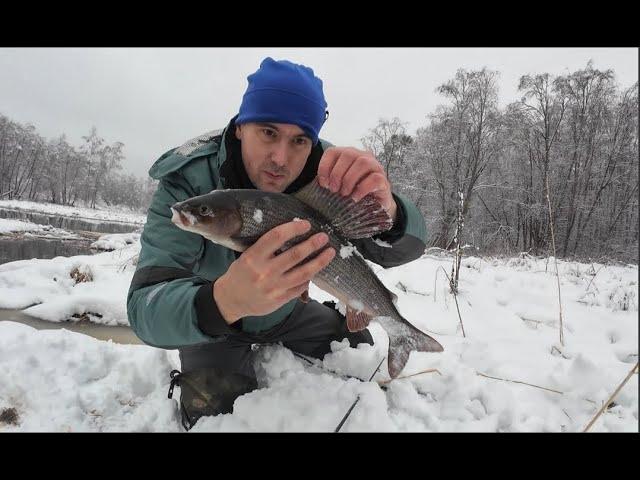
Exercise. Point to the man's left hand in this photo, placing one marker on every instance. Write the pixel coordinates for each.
(356, 173)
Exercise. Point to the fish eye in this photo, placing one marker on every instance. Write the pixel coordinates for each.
(204, 210)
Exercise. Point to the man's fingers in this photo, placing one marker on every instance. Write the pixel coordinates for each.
(294, 292)
(275, 238)
(327, 162)
(339, 169)
(372, 183)
(358, 170)
(308, 270)
(290, 258)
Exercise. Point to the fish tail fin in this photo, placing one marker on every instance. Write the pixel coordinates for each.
(406, 341)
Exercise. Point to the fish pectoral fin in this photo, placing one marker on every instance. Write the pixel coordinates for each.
(357, 321)
(350, 219)
(304, 296)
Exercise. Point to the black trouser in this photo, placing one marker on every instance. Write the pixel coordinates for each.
(215, 374)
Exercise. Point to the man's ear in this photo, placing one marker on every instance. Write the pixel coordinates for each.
(238, 132)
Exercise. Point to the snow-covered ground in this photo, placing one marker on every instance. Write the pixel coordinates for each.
(58, 380)
(115, 241)
(47, 289)
(8, 226)
(67, 211)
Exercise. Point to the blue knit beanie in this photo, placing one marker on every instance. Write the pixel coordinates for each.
(284, 92)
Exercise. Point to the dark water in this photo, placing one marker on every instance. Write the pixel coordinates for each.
(24, 248)
(18, 246)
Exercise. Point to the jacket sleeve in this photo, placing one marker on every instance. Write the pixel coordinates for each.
(407, 238)
(167, 305)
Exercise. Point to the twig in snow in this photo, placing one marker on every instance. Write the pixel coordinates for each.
(405, 289)
(384, 382)
(530, 385)
(594, 276)
(608, 402)
(555, 260)
(523, 383)
(455, 297)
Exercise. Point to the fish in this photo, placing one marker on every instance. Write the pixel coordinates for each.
(237, 218)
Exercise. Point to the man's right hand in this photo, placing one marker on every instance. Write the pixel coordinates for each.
(260, 281)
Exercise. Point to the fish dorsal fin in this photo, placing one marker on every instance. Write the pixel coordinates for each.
(350, 219)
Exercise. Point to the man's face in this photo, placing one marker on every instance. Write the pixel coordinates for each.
(274, 154)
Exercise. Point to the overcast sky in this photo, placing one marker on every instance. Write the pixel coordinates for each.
(153, 99)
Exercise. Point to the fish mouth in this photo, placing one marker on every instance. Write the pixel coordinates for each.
(182, 215)
(178, 217)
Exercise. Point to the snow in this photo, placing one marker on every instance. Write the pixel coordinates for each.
(46, 290)
(357, 305)
(347, 250)
(115, 241)
(58, 380)
(61, 381)
(341, 307)
(14, 226)
(382, 243)
(8, 226)
(109, 215)
(257, 215)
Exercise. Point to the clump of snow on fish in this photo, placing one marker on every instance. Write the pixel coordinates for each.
(347, 250)
(59, 380)
(357, 305)
(257, 215)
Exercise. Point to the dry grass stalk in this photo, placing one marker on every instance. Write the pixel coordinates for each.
(555, 260)
(613, 395)
(384, 382)
(455, 297)
(523, 383)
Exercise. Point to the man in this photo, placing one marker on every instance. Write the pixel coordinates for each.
(216, 305)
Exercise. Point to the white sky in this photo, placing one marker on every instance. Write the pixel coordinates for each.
(153, 99)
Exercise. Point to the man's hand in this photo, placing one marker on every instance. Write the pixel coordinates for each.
(356, 173)
(260, 282)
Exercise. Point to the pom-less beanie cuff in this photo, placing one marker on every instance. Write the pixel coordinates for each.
(270, 105)
(284, 92)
